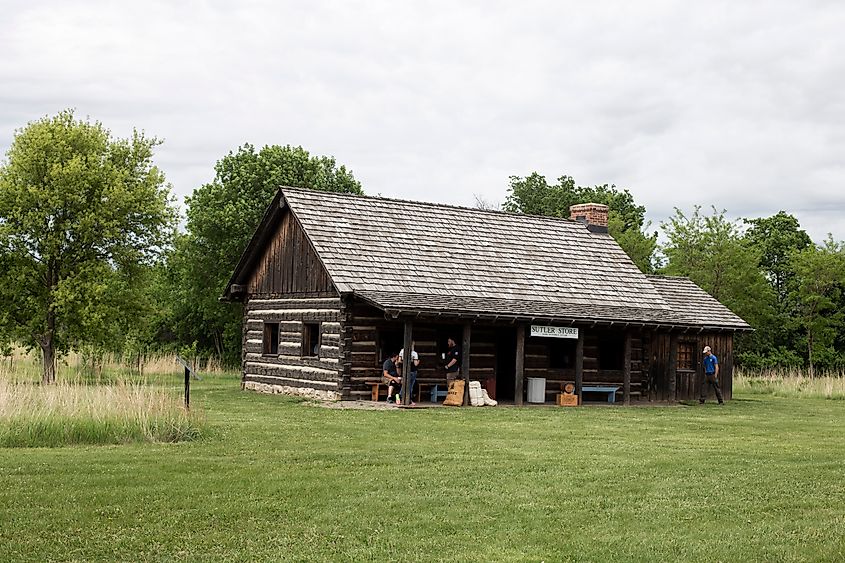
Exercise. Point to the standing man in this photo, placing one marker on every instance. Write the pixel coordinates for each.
(453, 361)
(415, 362)
(711, 376)
(391, 376)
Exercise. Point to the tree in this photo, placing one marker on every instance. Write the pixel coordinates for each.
(485, 204)
(820, 275)
(626, 220)
(221, 218)
(712, 252)
(777, 238)
(80, 212)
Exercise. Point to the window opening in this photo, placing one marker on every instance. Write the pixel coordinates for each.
(271, 339)
(310, 340)
(686, 355)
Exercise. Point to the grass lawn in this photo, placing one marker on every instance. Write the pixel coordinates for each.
(761, 478)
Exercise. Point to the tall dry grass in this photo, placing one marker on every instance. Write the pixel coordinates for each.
(112, 408)
(790, 383)
(25, 365)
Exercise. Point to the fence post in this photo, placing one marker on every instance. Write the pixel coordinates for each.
(187, 388)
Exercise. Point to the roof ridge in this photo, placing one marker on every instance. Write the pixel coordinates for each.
(552, 218)
(668, 276)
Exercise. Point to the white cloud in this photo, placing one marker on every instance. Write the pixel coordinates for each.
(724, 103)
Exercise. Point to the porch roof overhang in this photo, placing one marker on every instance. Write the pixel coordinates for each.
(495, 309)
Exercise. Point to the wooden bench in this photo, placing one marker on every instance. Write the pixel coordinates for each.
(375, 388)
(609, 389)
(378, 388)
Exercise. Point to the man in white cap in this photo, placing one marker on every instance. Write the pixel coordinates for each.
(711, 376)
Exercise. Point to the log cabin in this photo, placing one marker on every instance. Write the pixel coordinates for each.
(332, 283)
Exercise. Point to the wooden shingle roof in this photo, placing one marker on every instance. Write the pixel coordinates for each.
(374, 244)
(405, 256)
(695, 306)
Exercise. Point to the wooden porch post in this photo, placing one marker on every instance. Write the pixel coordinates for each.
(673, 366)
(465, 359)
(626, 382)
(407, 394)
(579, 363)
(520, 365)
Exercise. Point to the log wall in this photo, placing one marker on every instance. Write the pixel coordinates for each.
(688, 382)
(537, 365)
(351, 352)
(290, 286)
(365, 328)
(290, 371)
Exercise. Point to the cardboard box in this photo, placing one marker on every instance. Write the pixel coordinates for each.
(567, 400)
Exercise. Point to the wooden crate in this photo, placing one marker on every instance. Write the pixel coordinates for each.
(567, 400)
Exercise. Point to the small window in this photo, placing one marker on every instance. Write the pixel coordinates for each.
(686, 353)
(271, 339)
(310, 340)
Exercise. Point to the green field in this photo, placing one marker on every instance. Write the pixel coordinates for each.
(762, 478)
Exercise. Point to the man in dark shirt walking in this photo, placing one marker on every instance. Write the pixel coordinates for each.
(711, 376)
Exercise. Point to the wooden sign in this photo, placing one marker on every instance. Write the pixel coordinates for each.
(554, 331)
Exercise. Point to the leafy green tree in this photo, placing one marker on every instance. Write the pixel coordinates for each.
(221, 218)
(712, 252)
(80, 212)
(820, 275)
(777, 238)
(626, 220)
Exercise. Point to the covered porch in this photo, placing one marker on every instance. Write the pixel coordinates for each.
(504, 354)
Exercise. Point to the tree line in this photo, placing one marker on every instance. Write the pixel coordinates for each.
(92, 259)
(765, 269)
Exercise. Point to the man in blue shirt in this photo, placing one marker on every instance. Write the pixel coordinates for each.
(711, 376)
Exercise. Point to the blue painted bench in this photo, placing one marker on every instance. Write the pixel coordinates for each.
(438, 392)
(609, 389)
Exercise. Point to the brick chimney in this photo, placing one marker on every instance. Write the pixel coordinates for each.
(594, 215)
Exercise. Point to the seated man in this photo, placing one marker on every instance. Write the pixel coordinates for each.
(391, 376)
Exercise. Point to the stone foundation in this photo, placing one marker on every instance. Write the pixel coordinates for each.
(309, 393)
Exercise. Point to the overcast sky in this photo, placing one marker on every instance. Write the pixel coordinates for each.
(740, 105)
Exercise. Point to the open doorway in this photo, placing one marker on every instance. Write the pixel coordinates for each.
(505, 365)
